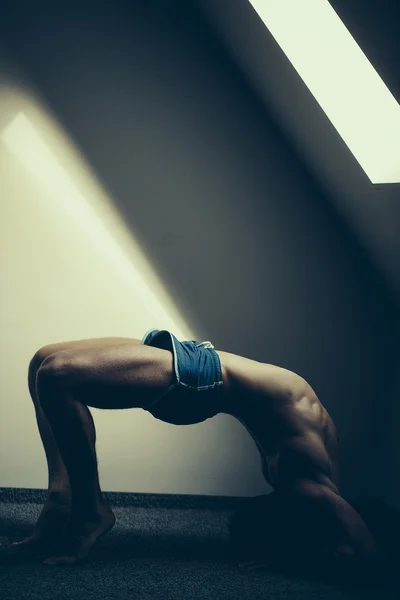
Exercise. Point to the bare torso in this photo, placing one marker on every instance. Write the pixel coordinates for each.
(293, 432)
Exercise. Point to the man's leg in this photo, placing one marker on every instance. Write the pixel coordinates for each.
(56, 509)
(116, 376)
(74, 431)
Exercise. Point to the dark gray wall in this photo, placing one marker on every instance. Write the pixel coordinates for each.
(377, 32)
(372, 213)
(240, 233)
(393, 457)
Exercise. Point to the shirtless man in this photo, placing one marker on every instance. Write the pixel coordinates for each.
(183, 383)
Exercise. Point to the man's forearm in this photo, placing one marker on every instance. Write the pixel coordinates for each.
(351, 536)
(355, 537)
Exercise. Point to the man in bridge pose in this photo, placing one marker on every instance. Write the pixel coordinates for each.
(184, 383)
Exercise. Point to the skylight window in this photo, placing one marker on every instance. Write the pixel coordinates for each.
(342, 80)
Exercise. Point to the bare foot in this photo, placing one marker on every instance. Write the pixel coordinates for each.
(259, 563)
(33, 546)
(80, 535)
(48, 529)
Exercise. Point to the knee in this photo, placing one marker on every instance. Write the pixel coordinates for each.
(50, 379)
(38, 358)
(52, 370)
(54, 365)
(34, 365)
(35, 362)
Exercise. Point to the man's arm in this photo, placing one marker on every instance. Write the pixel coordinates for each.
(350, 554)
(350, 535)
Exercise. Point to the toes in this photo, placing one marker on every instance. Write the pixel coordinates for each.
(68, 558)
(62, 560)
(15, 547)
(255, 564)
(17, 551)
(29, 541)
(24, 546)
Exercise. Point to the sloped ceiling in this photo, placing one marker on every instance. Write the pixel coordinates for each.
(371, 211)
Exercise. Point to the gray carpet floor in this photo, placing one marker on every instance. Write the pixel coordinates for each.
(159, 548)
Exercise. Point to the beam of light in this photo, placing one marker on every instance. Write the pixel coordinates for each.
(342, 80)
(32, 150)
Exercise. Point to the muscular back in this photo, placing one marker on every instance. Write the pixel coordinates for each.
(294, 433)
(298, 444)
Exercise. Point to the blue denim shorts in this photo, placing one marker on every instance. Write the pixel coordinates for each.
(195, 392)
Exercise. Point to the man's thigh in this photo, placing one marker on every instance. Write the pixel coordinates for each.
(109, 375)
(50, 349)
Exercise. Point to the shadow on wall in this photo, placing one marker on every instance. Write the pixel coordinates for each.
(247, 245)
(393, 458)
